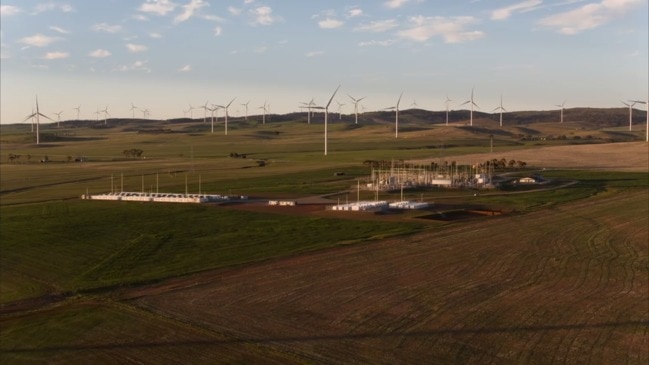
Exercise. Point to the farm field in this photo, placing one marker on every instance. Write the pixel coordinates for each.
(559, 275)
(528, 294)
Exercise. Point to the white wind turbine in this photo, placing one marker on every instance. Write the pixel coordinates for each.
(630, 113)
(502, 109)
(78, 109)
(106, 114)
(264, 111)
(340, 106)
(97, 114)
(561, 106)
(213, 110)
(205, 108)
(647, 104)
(133, 109)
(246, 105)
(356, 101)
(414, 103)
(226, 115)
(37, 115)
(446, 103)
(309, 106)
(326, 109)
(396, 116)
(472, 104)
(191, 111)
(145, 113)
(58, 119)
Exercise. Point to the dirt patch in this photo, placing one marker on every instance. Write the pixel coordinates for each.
(628, 156)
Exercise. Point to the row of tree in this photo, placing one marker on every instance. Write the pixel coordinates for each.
(133, 152)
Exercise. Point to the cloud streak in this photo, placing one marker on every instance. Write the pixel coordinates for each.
(452, 30)
(588, 16)
(506, 12)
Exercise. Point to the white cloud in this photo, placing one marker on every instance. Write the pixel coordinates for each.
(383, 43)
(59, 29)
(263, 15)
(135, 66)
(134, 48)
(234, 11)
(352, 13)
(51, 6)
(99, 53)
(452, 30)
(330, 23)
(261, 49)
(217, 31)
(56, 55)
(394, 4)
(377, 26)
(157, 7)
(185, 68)
(248, 1)
(506, 12)
(155, 35)
(314, 53)
(8, 10)
(189, 9)
(38, 40)
(588, 16)
(104, 27)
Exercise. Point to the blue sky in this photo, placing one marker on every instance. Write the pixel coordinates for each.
(164, 55)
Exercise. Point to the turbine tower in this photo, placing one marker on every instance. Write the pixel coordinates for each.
(78, 109)
(246, 105)
(106, 114)
(326, 114)
(472, 104)
(446, 104)
(396, 116)
(340, 106)
(502, 109)
(264, 111)
(133, 109)
(561, 106)
(226, 114)
(309, 106)
(647, 104)
(213, 110)
(630, 113)
(37, 115)
(58, 119)
(191, 111)
(356, 101)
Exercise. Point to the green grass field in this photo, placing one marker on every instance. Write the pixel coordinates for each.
(62, 259)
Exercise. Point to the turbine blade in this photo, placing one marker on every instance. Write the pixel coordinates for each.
(332, 97)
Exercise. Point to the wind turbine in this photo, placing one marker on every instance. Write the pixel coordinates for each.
(502, 109)
(414, 103)
(246, 105)
(471, 103)
(226, 114)
(309, 106)
(191, 111)
(561, 106)
(630, 113)
(326, 109)
(340, 106)
(133, 109)
(356, 101)
(396, 116)
(204, 107)
(58, 123)
(264, 111)
(97, 114)
(647, 104)
(106, 114)
(78, 109)
(213, 110)
(37, 115)
(446, 104)
(145, 113)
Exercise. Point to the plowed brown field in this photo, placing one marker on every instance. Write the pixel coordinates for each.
(569, 285)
